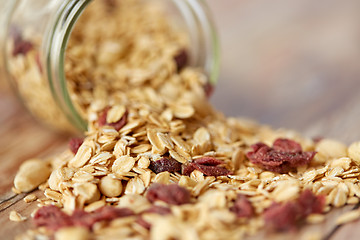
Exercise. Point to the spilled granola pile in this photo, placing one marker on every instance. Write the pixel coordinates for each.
(159, 162)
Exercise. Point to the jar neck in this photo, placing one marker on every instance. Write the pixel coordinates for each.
(204, 47)
(55, 48)
(204, 43)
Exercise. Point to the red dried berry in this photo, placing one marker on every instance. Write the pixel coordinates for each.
(288, 216)
(209, 166)
(281, 217)
(143, 223)
(208, 89)
(117, 125)
(208, 161)
(74, 144)
(286, 145)
(52, 218)
(188, 169)
(158, 210)
(171, 194)
(82, 219)
(102, 117)
(284, 156)
(242, 207)
(165, 164)
(21, 46)
(108, 213)
(181, 59)
(310, 203)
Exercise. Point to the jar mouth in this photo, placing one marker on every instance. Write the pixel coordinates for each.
(71, 10)
(68, 14)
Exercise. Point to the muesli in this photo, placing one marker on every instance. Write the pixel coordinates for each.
(159, 162)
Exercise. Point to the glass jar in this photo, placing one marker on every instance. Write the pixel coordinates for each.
(35, 37)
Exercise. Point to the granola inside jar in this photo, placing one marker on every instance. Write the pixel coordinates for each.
(70, 59)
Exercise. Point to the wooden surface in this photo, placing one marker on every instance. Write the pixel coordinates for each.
(293, 64)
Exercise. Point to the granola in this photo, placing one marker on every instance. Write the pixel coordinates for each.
(159, 162)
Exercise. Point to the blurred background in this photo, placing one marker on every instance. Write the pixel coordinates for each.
(293, 64)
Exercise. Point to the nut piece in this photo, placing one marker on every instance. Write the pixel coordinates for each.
(31, 174)
(16, 217)
(77, 233)
(354, 152)
(110, 187)
(30, 198)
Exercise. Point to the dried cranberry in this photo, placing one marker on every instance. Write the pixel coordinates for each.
(310, 203)
(286, 145)
(181, 59)
(159, 210)
(21, 46)
(143, 223)
(289, 215)
(242, 207)
(209, 166)
(188, 169)
(209, 89)
(208, 161)
(108, 213)
(52, 218)
(165, 164)
(281, 217)
(171, 194)
(117, 125)
(82, 219)
(284, 156)
(75, 143)
(102, 117)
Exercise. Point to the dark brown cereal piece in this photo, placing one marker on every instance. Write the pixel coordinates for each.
(74, 144)
(171, 194)
(165, 164)
(242, 207)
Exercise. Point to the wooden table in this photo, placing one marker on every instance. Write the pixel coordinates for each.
(293, 64)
